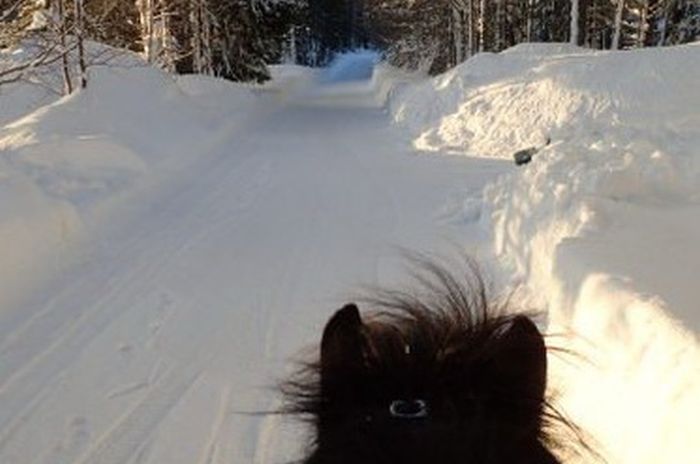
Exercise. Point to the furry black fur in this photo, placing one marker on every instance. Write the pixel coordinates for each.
(440, 375)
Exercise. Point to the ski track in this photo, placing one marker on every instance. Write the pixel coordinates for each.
(214, 279)
(54, 325)
(130, 432)
(209, 451)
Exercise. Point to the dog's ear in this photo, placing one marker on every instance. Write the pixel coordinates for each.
(518, 368)
(342, 357)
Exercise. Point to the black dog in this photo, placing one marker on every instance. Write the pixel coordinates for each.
(442, 377)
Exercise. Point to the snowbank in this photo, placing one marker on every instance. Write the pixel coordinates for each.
(65, 164)
(602, 226)
(604, 230)
(42, 85)
(495, 104)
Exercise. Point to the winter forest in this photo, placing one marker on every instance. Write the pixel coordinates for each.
(237, 39)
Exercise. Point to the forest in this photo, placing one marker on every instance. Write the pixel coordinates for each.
(237, 39)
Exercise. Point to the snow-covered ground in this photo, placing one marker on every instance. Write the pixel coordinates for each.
(169, 243)
(175, 241)
(602, 227)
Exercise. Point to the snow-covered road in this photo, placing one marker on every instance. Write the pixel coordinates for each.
(187, 305)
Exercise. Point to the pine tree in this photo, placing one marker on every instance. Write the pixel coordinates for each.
(113, 22)
(335, 26)
(683, 22)
(236, 39)
(240, 48)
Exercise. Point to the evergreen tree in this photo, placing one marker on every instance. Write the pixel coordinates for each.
(682, 22)
(337, 26)
(236, 39)
(113, 22)
(240, 51)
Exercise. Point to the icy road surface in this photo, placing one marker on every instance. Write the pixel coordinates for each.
(188, 305)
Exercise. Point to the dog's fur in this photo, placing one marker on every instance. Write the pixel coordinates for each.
(443, 376)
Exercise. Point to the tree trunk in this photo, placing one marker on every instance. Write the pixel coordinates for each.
(482, 25)
(530, 12)
(146, 19)
(500, 25)
(79, 35)
(618, 24)
(642, 29)
(574, 34)
(470, 23)
(664, 25)
(67, 81)
(457, 18)
(200, 25)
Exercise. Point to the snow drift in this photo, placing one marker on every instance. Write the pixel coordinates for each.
(65, 164)
(497, 103)
(601, 227)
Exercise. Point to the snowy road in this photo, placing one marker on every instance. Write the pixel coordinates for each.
(188, 305)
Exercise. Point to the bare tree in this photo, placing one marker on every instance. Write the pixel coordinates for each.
(52, 38)
(42, 36)
(642, 25)
(574, 34)
(67, 81)
(482, 25)
(618, 24)
(79, 32)
(201, 20)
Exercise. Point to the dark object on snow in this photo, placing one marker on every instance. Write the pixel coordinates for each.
(525, 156)
(448, 377)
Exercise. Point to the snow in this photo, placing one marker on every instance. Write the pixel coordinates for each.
(354, 66)
(169, 243)
(601, 227)
(76, 157)
(352, 79)
(41, 85)
(18, 99)
(495, 104)
(207, 230)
